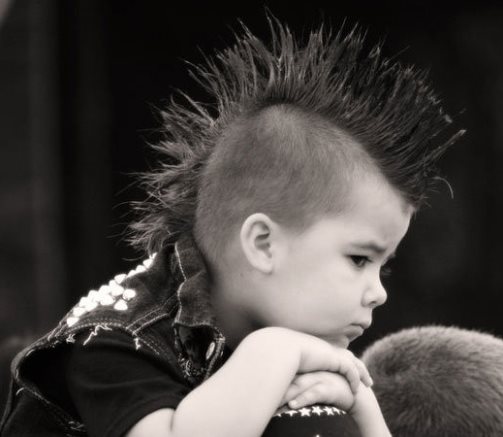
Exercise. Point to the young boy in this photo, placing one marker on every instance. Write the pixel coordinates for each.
(439, 381)
(271, 219)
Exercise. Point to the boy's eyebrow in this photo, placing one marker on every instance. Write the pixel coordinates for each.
(374, 247)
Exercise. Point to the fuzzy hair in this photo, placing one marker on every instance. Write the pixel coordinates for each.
(439, 381)
(388, 108)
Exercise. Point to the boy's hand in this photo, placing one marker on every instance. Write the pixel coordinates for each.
(318, 355)
(319, 388)
(327, 387)
(333, 389)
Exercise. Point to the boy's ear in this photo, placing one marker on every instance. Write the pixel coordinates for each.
(257, 237)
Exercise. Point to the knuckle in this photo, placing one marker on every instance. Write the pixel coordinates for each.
(305, 398)
(352, 368)
(326, 376)
(303, 381)
(346, 363)
(296, 382)
(360, 363)
(353, 375)
(350, 354)
(316, 391)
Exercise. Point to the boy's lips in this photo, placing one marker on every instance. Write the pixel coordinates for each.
(355, 330)
(364, 325)
(349, 333)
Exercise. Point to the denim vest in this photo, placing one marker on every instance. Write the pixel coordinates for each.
(163, 305)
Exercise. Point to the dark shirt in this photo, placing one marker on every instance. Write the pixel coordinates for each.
(136, 385)
(112, 386)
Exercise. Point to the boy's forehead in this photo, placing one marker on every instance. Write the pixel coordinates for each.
(368, 187)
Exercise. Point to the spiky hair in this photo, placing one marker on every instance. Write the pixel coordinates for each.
(388, 109)
(439, 381)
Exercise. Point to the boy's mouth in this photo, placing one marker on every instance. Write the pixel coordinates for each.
(364, 324)
(354, 331)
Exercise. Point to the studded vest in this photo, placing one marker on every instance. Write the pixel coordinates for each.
(163, 305)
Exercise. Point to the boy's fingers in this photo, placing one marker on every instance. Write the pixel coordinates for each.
(301, 383)
(355, 365)
(310, 396)
(348, 368)
(294, 390)
(364, 373)
(336, 393)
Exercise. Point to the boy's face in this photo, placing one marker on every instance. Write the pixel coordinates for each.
(327, 279)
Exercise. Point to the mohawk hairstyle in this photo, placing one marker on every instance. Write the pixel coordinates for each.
(439, 381)
(388, 109)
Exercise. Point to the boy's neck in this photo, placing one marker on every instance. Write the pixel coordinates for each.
(231, 319)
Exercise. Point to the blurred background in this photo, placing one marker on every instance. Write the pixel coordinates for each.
(80, 82)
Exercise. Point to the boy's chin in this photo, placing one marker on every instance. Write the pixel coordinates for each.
(340, 341)
(343, 343)
(322, 420)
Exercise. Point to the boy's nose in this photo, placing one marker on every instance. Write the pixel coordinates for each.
(375, 295)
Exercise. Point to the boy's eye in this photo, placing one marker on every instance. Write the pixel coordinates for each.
(359, 261)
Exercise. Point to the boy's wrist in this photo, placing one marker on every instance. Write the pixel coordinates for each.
(367, 414)
(275, 343)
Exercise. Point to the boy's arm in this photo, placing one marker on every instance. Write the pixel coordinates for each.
(243, 395)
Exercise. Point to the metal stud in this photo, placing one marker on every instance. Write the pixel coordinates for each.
(92, 295)
(83, 301)
(128, 294)
(120, 277)
(120, 305)
(106, 300)
(210, 351)
(91, 305)
(70, 321)
(104, 289)
(78, 311)
(140, 269)
(116, 290)
(148, 262)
